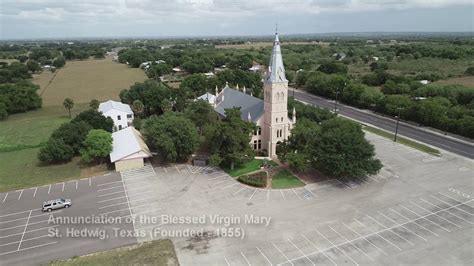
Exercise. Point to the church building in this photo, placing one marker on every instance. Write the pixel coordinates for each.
(270, 115)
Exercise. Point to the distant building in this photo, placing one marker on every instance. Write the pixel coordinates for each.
(256, 67)
(177, 69)
(128, 149)
(424, 82)
(208, 97)
(121, 113)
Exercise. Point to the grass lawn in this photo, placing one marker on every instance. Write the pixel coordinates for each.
(285, 179)
(158, 252)
(402, 140)
(20, 169)
(31, 129)
(86, 80)
(251, 166)
(435, 65)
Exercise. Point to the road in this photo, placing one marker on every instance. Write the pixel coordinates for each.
(425, 136)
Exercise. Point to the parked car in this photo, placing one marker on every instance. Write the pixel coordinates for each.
(56, 204)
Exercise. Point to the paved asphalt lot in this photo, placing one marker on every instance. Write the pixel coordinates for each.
(437, 140)
(27, 233)
(418, 210)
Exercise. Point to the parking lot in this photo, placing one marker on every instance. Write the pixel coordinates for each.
(29, 236)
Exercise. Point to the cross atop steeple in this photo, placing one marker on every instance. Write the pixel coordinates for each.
(276, 70)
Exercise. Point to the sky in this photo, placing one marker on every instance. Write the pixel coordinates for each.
(25, 19)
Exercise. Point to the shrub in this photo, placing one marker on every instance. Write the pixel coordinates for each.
(258, 179)
(55, 151)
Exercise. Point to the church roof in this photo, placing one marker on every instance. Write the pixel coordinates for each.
(234, 98)
(208, 97)
(276, 70)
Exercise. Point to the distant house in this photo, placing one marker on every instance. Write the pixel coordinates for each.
(177, 69)
(119, 112)
(424, 82)
(256, 67)
(128, 149)
(209, 74)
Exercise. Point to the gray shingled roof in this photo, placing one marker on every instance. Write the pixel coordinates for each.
(234, 98)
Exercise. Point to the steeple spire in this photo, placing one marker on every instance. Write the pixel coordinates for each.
(276, 70)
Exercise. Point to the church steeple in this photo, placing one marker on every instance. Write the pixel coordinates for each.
(276, 70)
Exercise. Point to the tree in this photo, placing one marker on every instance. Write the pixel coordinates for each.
(59, 62)
(97, 145)
(3, 110)
(137, 107)
(94, 104)
(33, 66)
(95, 119)
(470, 71)
(20, 97)
(68, 104)
(333, 68)
(195, 85)
(172, 135)
(72, 134)
(157, 70)
(201, 113)
(230, 138)
(342, 151)
(55, 151)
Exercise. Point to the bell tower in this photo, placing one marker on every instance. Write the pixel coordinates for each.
(276, 123)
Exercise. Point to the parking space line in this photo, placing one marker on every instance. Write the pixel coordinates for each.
(224, 181)
(37, 246)
(21, 192)
(318, 249)
(90, 181)
(26, 226)
(450, 204)
(10, 214)
(373, 178)
(282, 254)
(264, 256)
(378, 234)
(301, 252)
(412, 203)
(368, 241)
(351, 243)
(102, 201)
(252, 195)
(49, 189)
(294, 191)
(418, 215)
(77, 183)
(64, 184)
(415, 222)
(230, 185)
(6, 195)
(460, 218)
(108, 194)
(32, 216)
(336, 247)
(226, 261)
(268, 194)
(245, 258)
(235, 193)
(404, 227)
(283, 195)
(108, 183)
(34, 194)
(392, 231)
(104, 189)
(216, 177)
(38, 229)
(115, 204)
(15, 242)
(125, 209)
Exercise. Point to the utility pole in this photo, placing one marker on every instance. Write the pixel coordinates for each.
(398, 121)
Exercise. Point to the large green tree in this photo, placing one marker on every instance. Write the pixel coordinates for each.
(97, 145)
(172, 135)
(55, 151)
(342, 151)
(230, 138)
(68, 104)
(201, 113)
(95, 119)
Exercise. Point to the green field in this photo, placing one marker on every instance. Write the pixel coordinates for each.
(445, 67)
(86, 80)
(402, 140)
(22, 134)
(285, 179)
(158, 252)
(245, 168)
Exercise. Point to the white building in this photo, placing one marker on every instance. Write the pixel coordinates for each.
(119, 112)
(128, 149)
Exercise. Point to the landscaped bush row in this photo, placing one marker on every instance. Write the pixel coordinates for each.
(258, 179)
